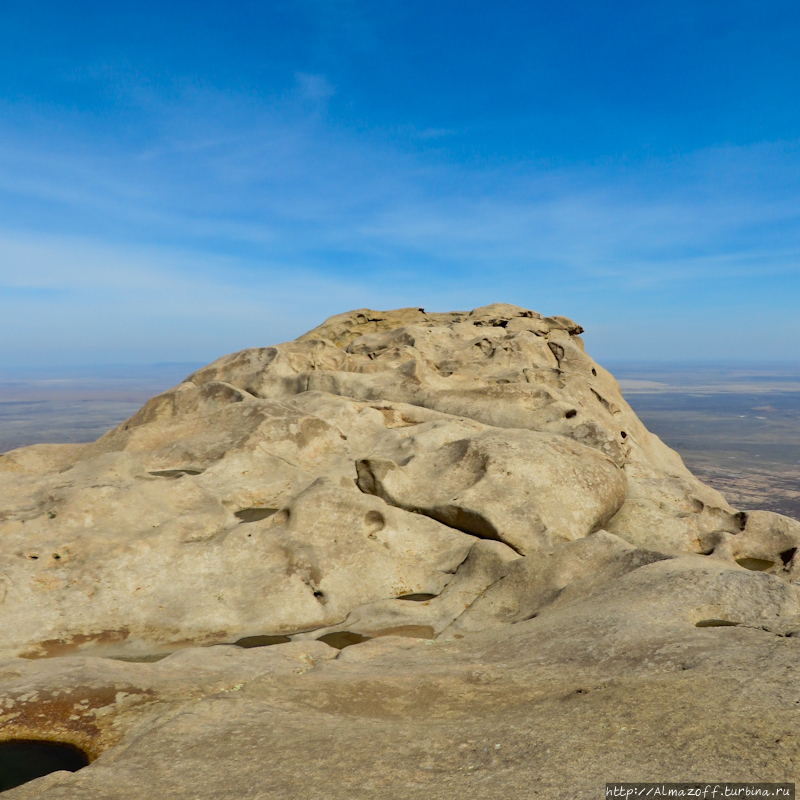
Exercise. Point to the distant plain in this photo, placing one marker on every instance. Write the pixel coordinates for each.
(77, 404)
(736, 427)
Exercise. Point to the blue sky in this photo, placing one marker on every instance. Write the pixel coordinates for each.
(181, 180)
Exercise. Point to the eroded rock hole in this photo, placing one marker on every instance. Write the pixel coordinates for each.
(572, 412)
(755, 564)
(254, 514)
(23, 760)
(715, 623)
(175, 473)
(342, 639)
(623, 434)
(741, 519)
(374, 523)
(788, 555)
(261, 641)
(485, 346)
(594, 372)
(147, 658)
(418, 597)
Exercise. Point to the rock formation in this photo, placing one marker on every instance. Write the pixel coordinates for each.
(540, 596)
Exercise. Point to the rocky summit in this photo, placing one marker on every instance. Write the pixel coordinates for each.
(407, 555)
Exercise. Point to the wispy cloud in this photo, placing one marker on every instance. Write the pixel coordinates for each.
(270, 215)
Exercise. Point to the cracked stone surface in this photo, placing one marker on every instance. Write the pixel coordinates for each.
(454, 561)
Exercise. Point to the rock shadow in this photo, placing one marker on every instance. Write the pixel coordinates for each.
(23, 760)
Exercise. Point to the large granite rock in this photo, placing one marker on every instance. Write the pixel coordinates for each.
(539, 596)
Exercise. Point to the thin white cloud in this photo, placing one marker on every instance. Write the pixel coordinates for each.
(227, 206)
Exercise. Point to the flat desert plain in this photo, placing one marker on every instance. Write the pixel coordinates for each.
(737, 428)
(78, 404)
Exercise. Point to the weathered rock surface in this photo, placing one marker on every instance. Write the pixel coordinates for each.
(540, 596)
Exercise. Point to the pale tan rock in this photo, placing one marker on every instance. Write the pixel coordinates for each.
(192, 574)
(543, 594)
(531, 491)
(602, 576)
(425, 615)
(766, 542)
(600, 682)
(493, 422)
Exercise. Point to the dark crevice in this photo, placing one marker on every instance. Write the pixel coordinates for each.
(463, 520)
(790, 633)
(419, 597)
(460, 519)
(175, 473)
(342, 639)
(557, 351)
(23, 760)
(458, 566)
(261, 641)
(715, 623)
(788, 555)
(466, 521)
(600, 398)
(254, 514)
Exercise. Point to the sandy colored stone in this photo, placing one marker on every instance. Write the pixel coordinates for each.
(538, 596)
(530, 492)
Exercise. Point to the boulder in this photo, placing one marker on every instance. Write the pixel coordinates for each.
(408, 553)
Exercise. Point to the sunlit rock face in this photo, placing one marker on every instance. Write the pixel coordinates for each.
(463, 500)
